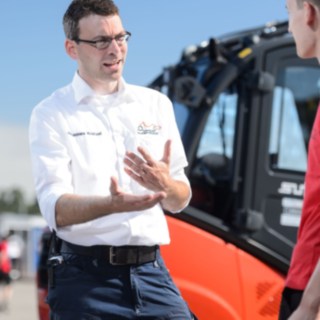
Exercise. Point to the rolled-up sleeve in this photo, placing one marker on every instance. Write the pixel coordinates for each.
(179, 160)
(50, 161)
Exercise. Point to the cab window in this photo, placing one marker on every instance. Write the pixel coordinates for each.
(212, 168)
(295, 102)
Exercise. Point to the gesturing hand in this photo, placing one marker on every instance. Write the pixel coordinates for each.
(122, 202)
(151, 174)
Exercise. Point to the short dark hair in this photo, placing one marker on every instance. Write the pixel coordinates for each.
(79, 9)
(314, 2)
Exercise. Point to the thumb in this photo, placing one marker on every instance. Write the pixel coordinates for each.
(114, 187)
(167, 152)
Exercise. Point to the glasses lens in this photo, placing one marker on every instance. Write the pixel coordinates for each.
(103, 44)
(121, 38)
(127, 36)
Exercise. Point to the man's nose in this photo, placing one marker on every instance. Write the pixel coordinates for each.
(114, 46)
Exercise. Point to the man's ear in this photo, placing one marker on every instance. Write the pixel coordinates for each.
(310, 12)
(70, 47)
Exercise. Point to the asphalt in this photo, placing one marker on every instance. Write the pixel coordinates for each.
(23, 305)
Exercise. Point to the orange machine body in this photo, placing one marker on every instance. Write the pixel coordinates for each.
(218, 280)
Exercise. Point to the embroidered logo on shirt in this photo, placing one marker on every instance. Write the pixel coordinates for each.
(144, 128)
(88, 133)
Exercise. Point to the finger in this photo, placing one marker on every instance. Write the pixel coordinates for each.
(114, 187)
(134, 158)
(160, 195)
(140, 170)
(135, 176)
(146, 156)
(151, 200)
(167, 152)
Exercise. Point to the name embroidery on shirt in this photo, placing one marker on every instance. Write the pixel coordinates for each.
(88, 133)
(153, 129)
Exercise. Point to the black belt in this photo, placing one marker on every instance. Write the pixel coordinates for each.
(123, 255)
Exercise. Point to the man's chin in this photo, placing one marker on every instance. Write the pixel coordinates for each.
(306, 54)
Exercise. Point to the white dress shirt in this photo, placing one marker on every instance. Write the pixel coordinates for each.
(78, 140)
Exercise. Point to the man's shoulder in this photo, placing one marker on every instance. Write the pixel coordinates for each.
(142, 89)
(58, 96)
(142, 92)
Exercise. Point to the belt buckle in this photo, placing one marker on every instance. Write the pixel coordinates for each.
(112, 255)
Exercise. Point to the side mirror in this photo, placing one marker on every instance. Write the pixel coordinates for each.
(188, 91)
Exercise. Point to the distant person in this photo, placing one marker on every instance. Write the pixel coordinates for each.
(15, 251)
(304, 24)
(107, 160)
(5, 278)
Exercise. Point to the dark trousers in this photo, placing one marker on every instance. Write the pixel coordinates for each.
(289, 303)
(87, 288)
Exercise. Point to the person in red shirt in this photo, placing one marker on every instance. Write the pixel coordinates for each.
(304, 24)
(5, 279)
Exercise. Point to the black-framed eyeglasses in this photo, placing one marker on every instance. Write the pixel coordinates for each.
(104, 42)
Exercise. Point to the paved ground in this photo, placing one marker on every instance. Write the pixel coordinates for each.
(23, 305)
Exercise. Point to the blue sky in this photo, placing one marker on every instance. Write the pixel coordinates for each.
(33, 62)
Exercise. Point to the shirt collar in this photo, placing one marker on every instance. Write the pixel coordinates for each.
(83, 92)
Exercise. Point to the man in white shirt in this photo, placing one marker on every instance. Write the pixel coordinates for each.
(107, 159)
